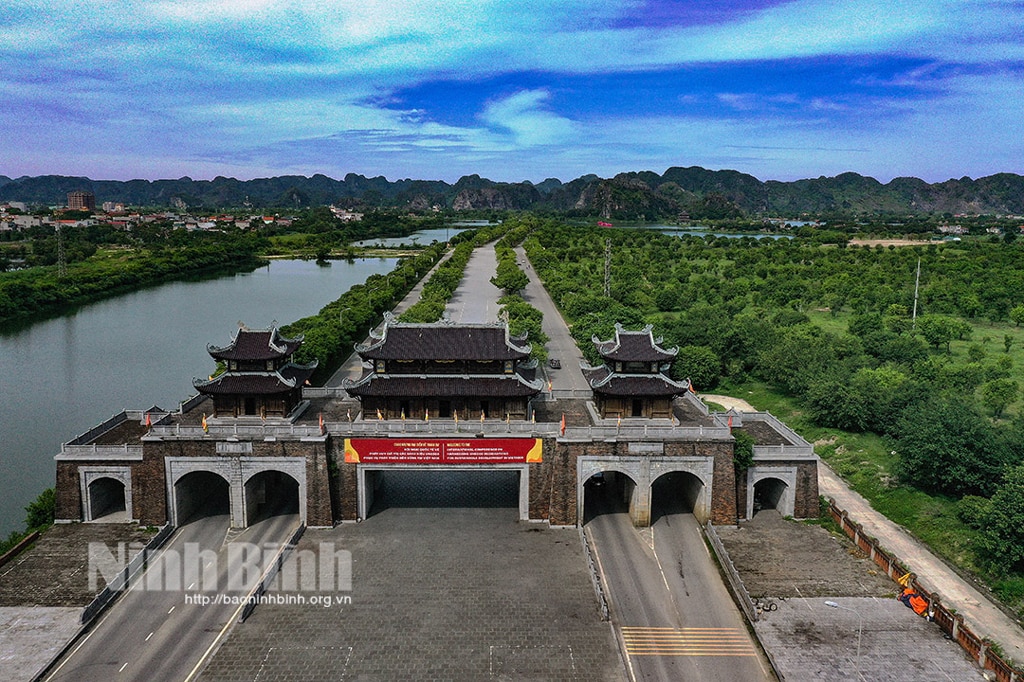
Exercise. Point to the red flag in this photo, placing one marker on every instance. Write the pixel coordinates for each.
(561, 426)
(206, 429)
(321, 423)
(149, 422)
(730, 421)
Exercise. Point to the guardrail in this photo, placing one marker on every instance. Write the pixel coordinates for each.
(270, 573)
(951, 623)
(783, 451)
(124, 577)
(192, 432)
(116, 452)
(739, 590)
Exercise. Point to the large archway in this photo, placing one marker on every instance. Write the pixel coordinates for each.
(201, 494)
(770, 493)
(433, 487)
(270, 493)
(607, 492)
(107, 500)
(676, 492)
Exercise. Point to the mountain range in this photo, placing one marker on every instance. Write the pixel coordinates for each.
(694, 191)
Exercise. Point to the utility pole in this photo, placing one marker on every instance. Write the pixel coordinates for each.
(607, 268)
(62, 261)
(917, 284)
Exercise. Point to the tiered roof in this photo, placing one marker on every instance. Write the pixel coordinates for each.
(634, 346)
(444, 341)
(257, 345)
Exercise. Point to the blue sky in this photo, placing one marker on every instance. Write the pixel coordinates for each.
(524, 90)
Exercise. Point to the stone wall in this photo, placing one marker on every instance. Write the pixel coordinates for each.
(806, 502)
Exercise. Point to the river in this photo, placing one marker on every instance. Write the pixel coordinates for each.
(63, 376)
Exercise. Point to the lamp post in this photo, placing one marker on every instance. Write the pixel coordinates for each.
(860, 629)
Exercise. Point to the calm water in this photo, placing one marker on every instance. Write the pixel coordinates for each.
(63, 376)
(420, 238)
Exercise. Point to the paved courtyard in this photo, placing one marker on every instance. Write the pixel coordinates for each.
(437, 593)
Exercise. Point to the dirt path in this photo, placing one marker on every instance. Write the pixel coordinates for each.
(979, 612)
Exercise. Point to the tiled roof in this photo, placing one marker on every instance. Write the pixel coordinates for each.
(256, 345)
(402, 385)
(256, 383)
(639, 346)
(639, 385)
(444, 341)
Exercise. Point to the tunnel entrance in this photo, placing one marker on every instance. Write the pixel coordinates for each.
(270, 493)
(768, 494)
(200, 494)
(107, 500)
(405, 487)
(606, 492)
(677, 492)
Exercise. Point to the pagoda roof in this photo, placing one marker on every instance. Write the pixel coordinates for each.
(432, 385)
(443, 341)
(256, 345)
(256, 383)
(604, 381)
(634, 346)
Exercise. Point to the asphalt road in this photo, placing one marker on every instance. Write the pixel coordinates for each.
(475, 300)
(561, 344)
(672, 612)
(154, 634)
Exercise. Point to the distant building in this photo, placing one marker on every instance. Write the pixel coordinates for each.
(81, 201)
(113, 207)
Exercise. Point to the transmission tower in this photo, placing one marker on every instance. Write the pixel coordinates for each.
(607, 268)
(62, 261)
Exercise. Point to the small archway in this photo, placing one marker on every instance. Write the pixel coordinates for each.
(676, 492)
(270, 493)
(607, 492)
(770, 493)
(201, 494)
(107, 500)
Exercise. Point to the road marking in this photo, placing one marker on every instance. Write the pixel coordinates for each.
(646, 641)
(121, 669)
(148, 636)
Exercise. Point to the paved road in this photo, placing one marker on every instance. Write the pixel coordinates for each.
(475, 299)
(561, 344)
(675, 617)
(981, 615)
(155, 634)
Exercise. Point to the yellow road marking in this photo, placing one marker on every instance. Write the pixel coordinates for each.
(646, 641)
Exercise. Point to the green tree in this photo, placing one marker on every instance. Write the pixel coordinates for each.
(947, 447)
(1017, 314)
(937, 330)
(1002, 542)
(42, 510)
(999, 394)
(699, 364)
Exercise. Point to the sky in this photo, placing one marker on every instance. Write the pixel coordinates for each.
(512, 91)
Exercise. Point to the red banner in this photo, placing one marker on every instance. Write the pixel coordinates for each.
(442, 451)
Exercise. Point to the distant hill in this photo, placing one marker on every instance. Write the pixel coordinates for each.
(695, 191)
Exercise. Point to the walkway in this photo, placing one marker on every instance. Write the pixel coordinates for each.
(984, 617)
(475, 300)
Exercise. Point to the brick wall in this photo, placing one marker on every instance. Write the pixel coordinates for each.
(805, 503)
